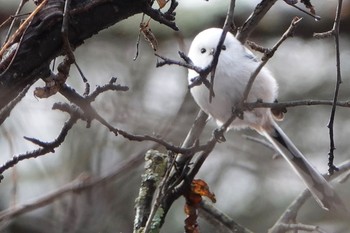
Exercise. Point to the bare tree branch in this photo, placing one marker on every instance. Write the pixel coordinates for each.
(90, 113)
(330, 125)
(36, 47)
(45, 147)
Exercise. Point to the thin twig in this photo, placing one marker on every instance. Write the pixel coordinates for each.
(267, 56)
(227, 26)
(336, 25)
(111, 86)
(21, 29)
(45, 148)
(5, 111)
(316, 17)
(187, 64)
(295, 103)
(20, 6)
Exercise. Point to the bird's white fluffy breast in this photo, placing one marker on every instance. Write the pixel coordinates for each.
(233, 71)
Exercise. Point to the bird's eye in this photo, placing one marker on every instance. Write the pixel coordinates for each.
(203, 50)
(223, 47)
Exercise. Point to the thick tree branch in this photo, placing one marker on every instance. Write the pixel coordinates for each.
(42, 40)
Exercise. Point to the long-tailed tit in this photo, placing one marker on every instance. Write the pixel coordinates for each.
(235, 66)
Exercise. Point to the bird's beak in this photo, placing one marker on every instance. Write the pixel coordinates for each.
(212, 51)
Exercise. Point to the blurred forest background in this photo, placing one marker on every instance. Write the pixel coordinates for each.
(249, 185)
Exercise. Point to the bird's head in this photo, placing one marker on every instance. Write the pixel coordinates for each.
(204, 45)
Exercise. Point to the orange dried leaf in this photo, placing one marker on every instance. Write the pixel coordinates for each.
(201, 187)
(193, 197)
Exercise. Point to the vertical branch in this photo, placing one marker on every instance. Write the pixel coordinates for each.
(335, 33)
(227, 25)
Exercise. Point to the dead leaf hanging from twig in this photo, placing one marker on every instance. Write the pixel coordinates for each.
(199, 188)
(148, 35)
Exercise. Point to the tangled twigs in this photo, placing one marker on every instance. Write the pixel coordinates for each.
(91, 114)
(75, 114)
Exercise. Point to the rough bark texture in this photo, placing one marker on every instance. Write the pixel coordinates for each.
(42, 40)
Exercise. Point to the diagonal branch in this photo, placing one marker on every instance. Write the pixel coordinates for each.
(250, 24)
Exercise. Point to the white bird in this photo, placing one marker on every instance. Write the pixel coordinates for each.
(235, 66)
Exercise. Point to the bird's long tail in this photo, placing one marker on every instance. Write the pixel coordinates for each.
(316, 183)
